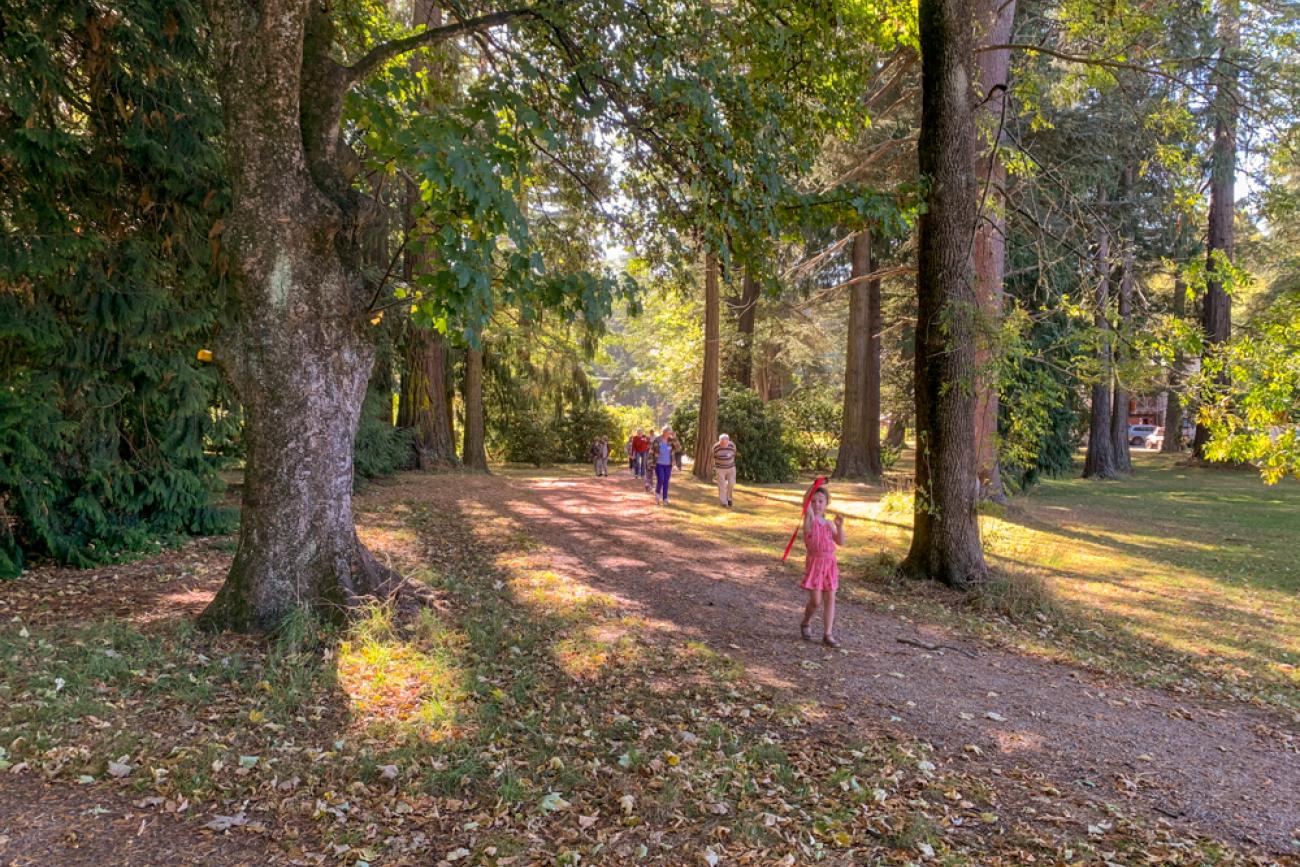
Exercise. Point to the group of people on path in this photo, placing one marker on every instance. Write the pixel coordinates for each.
(821, 535)
(663, 453)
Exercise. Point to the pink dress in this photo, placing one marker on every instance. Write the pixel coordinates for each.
(820, 569)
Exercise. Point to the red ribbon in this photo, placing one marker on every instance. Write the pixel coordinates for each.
(807, 499)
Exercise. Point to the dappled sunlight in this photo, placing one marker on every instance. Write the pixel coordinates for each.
(404, 685)
(1162, 572)
(592, 652)
(1014, 742)
(1219, 592)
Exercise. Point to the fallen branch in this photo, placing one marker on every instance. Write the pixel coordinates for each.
(933, 647)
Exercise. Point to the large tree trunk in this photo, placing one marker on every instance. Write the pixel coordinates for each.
(946, 537)
(897, 433)
(859, 454)
(707, 429)
(995, 21)
(1099, 462)
(299, 354)
(1216, 313)
(473, 451)
(746, 310)
(1173, 400)
(1119, 410)
(423, 404)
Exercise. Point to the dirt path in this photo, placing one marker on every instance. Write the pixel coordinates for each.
(1220, 769)
(46, 824)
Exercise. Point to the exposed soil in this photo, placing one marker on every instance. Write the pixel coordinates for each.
(177, 583)
(1222, 769)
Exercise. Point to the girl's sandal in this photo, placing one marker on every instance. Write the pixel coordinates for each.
(830, 641)
(806, 631)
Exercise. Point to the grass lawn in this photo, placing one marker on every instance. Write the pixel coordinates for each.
(1178, 576)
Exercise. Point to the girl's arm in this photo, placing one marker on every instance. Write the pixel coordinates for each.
(839, 529)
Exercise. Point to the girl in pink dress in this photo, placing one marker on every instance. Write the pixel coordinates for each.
(821, 572)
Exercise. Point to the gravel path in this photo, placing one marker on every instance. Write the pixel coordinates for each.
(1223, 769)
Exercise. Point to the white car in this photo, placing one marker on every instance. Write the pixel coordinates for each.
(1148, 436)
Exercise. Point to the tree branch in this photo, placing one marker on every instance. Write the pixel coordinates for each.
(1086, 60)
(386, 51)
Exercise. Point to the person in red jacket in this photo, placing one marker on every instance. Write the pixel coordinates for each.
(640, 449)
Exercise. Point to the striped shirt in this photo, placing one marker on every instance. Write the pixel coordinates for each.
(724, 457)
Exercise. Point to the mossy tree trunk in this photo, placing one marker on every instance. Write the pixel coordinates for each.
(299, 354)
(300, 350)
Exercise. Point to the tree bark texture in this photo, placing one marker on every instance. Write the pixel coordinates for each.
(1099, 461)
(1173, 400)
(423, 404)
(707, 428)
(995, 19)
(300, 353)
(1216, 312)
(473, 452)
(946, 538)
(859, 454)
(746, 311)
(897, 433)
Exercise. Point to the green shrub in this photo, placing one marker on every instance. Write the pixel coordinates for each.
(813, 420)
(584, 424)
(525, 437)
(756, 430)
(110, 283)
(381, 449)
(630, 418)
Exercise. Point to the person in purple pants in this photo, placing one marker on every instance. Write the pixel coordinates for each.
(663, 450)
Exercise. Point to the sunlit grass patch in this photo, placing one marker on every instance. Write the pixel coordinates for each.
(404, 684)
(593, 652)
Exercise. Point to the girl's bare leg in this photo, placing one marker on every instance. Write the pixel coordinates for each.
(828, 613)
(810, 609)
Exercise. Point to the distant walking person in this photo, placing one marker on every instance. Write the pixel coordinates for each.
(640, 452)
(600, 455)
(630, 453)
(664, 449)
(724, 465)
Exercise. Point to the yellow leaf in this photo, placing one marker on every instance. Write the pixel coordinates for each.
(204, 355)
(256, 716)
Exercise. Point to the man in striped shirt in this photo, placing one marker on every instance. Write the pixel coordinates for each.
(724, 465)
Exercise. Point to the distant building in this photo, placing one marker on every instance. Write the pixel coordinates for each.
(1147, 408)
